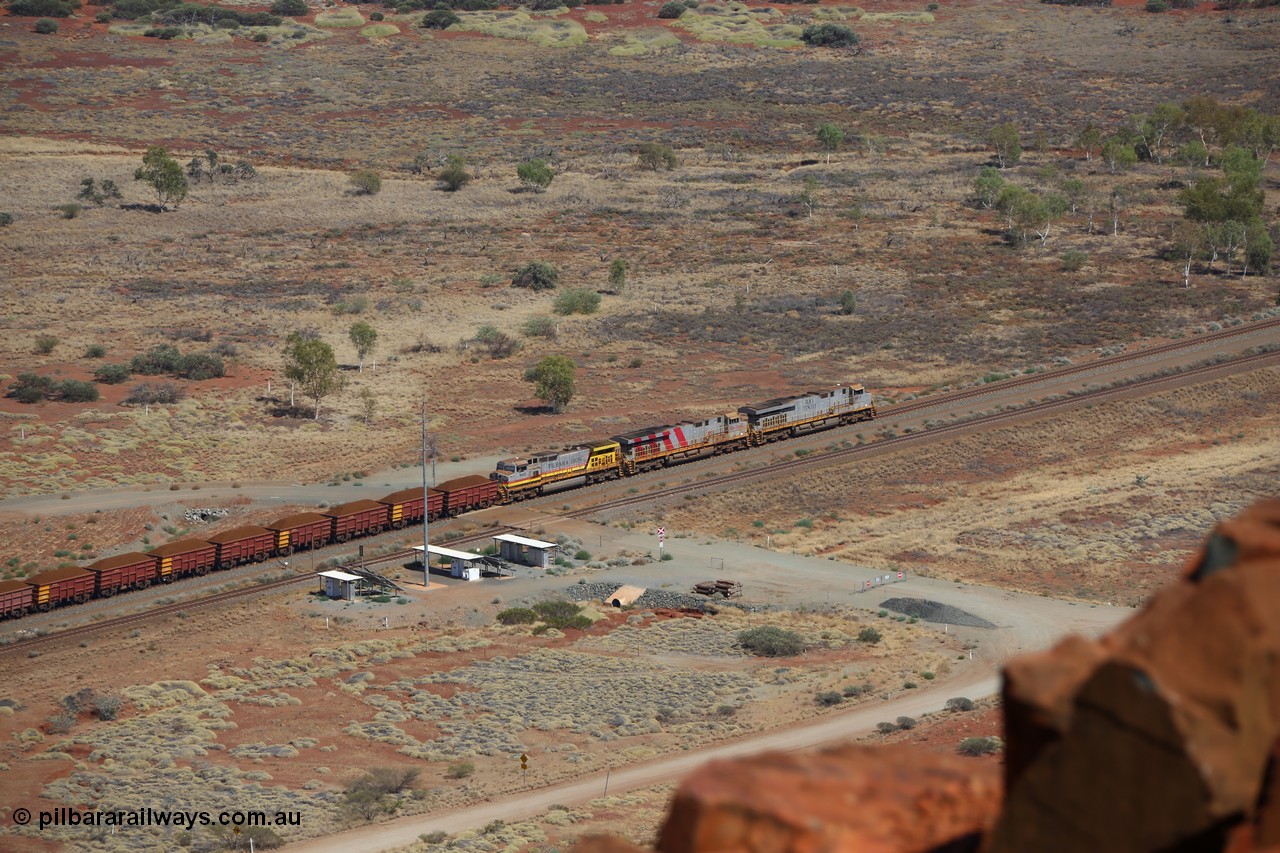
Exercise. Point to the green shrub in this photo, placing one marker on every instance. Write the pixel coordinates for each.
(829, 35)
(959, 703)
(539, 327)
(439, 19)
(30, 388)
(855, 690)
(161, 358)
(886, 728)
(1073, 260)
(771, 641)
(95, 351)
(46, 26)
(1157, 6)
(975, 746)
(6, 219)
(538, 275)
(828, 698)
(461, 770)
(292, 8)
(102, 18)
(112, 374)
(535, 174)
(906, 723)
(928, 676)
(70, 210)
(672, 10)
(654, 157)
(45, 344)
(582, 555)
(260, 38)
(870, 636)
(454, 176)
(366, 182)
(377, 16)
(43, 8)
(517, 616)
(200, 366)
(578, 300)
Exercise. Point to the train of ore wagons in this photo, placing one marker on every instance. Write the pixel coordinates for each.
(514, 480)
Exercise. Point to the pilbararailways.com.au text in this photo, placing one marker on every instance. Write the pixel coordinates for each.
(154, 817)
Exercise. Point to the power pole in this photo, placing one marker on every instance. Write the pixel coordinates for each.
(426, 539)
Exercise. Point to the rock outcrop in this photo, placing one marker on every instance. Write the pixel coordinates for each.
(1162, 736)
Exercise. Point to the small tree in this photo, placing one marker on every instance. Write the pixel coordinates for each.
(1089, 140)
(164, 175)
(368, 404)
(848, 303)
(365, 338)
(366, 182)
(311, 364)
(290, 8)
(553, 379)
(987, 186)
(617, 276)
(808, 195)
(1006, 143)
(537, 275)
(535, 175)
(653, 157)
(91, 190)
(830, 137)
(454, 176)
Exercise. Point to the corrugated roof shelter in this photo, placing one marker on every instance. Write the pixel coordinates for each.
(463, 564)
(338, 584)
(624, 595)
(519, 549)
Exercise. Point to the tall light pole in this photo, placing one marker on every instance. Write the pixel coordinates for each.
(426, 540)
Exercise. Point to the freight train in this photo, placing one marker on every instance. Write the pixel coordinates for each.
(514, 480)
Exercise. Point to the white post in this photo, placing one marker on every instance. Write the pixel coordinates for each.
(326, 623)
(268, 387)
(426, 540)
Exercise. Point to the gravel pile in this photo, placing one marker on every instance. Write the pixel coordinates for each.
(932, 611)
(657, 598)
(203, 515)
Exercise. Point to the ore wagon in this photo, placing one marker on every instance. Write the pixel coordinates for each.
(134, 570)
(16, 598)
(357, 518)
(405, 506)
(249, 544)
(304, 530)
(464, 494)
(60, 586)
(185, 557)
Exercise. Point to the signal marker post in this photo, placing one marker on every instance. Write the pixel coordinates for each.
(524, 768)
(662, 537)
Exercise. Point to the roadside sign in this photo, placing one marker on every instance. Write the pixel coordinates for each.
(899, 575)
(662, 533)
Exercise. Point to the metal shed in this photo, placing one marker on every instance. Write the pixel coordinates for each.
(462, 564)
(519, 549)
(339, 584)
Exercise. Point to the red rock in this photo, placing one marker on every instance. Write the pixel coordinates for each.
(893, 799)
(1159, 735)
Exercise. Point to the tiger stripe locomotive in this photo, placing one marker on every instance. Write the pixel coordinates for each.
(513, 480)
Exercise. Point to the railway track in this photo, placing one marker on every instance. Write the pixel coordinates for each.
(975, 424)
(1136, 357)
